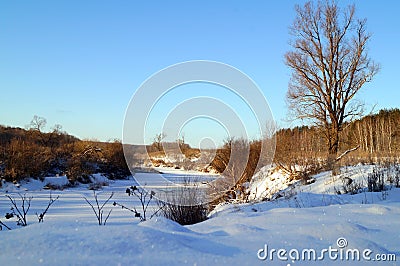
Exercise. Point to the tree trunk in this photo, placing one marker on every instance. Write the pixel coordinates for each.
(332, 154)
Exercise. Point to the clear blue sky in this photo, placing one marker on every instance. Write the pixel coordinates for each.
(77, 63)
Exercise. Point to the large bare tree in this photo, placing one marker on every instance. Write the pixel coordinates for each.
(330, 63)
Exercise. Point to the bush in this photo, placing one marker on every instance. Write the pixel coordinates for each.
(36, 154)
(183, 204)
(25, 159)
(394, 177)
(376, 180)
(351, 187)
(237, 161)
(20, 211)
(397, 176)
(183, 215)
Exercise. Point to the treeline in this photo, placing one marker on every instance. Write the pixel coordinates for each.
(371, 139)
(33, 153)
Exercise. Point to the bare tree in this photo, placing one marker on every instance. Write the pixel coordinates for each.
(57, 129)
(157, 141)
(37, 123)
(330, 64)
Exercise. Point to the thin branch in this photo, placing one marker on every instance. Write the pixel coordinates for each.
(3, 224)
(99, 212)
(105, 221)
(137, 214)
(346, 152)
(51, 201)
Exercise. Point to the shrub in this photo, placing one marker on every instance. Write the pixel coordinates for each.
(182, 214)
(98, 208)
(21, 211)
(351, 187)
(237, 161)
(397, 176)
(183, 204)
(144, 196)
(376, 182)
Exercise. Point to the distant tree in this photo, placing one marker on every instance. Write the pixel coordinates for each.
(57, 129)
(330, 64)
(37, 123)
(157, 141)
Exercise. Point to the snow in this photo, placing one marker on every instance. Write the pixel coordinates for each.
(170, 170)
(56, 180)
(267, 182)
(99, 178)
(305, 217)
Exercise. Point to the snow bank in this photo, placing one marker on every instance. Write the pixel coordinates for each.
(228, 239)
(56, 181)
(267, 182)
(99, 178)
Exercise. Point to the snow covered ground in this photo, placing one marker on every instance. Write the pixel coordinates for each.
(305, 219)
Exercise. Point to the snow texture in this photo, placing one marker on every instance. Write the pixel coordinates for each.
(305, 217)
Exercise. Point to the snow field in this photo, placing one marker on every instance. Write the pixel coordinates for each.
(313, 216)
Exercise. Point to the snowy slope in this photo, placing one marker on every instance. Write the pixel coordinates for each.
(309, 217)
(269, 182)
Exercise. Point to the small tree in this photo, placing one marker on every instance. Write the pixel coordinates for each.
(330, 64)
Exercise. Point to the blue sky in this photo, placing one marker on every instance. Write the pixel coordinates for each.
(78, 63)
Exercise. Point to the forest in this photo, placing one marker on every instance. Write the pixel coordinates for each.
(372, 139)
